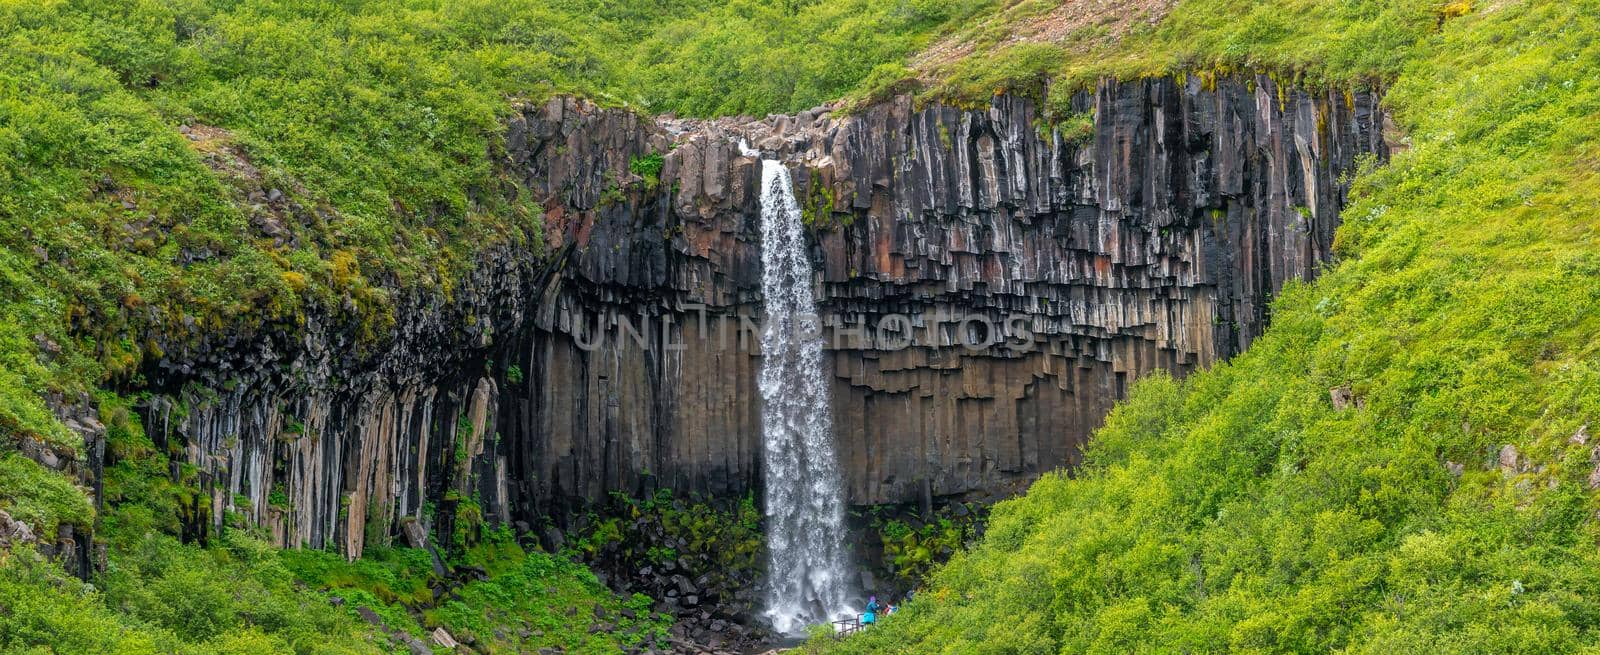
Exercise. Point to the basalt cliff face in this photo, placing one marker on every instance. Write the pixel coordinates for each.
(989, 285)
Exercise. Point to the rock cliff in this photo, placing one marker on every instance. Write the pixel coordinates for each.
(988, 285)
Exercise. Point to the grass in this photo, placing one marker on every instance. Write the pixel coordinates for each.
(239, 594)
(755, 57)
(529, 600)
(175, 170)
(172, 170)
(164, 597)
(1240, 510)
(1350, 43)
(40, 496)
(244, 596)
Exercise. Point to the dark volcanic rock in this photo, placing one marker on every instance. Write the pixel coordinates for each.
(1157, 241)
(622, 357)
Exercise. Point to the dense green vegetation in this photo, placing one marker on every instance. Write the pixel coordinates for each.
(527, 601)
(183, 168)
(189, 166)
(755, 57)
(722, 543)
(39, 496)
(1356, 42)
(161, 597)
(1241, 510)
(171, 169)
(241, 595)
(910, 545)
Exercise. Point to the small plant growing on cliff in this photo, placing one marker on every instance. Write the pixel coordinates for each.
(661, 554)
(1077, 128)
(469, 521)
(277, 498)
(613, 191)
(514, 374)
(913, 548)
(648, 167)
(816, 210)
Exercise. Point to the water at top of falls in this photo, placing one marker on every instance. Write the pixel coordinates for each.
(807, 570)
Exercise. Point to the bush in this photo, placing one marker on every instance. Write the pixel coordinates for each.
(41, 497)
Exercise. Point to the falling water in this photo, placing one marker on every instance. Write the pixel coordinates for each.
(805, 504)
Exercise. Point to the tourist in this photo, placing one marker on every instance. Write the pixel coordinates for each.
(871, 616)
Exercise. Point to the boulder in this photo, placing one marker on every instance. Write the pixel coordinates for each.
(415, 534)
(14, 533)
(443, 638)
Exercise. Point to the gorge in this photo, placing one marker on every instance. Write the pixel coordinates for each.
(1152, 240)
(666, 327)
(1148, 232)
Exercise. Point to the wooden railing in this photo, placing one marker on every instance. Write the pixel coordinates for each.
(846, 627)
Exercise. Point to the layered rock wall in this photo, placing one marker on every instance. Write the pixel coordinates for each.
(1153, 239)
(988, 285)
(330, 445)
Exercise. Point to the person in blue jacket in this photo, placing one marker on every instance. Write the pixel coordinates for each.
(871, 616)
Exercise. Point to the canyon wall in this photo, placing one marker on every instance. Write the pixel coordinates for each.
(989, 284)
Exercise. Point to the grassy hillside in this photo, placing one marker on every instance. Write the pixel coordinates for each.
(1449, 505)
(1049, 49)
(198, 166)
(190, 166)
(193, 167)
(243, 596)
(238, 594)
(759, 56)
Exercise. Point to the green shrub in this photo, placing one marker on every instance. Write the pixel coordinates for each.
(525, 594)
(46, 611)
(914, 546)
(648, 168)
(41, 497)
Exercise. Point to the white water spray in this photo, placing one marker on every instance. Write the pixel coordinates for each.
(805, 499)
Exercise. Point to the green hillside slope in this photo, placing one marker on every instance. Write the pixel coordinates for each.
(202, 165)
(191, 167)
(1447, 508)
(1446, 504)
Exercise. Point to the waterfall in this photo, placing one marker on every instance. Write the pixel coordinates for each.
(805, 498)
